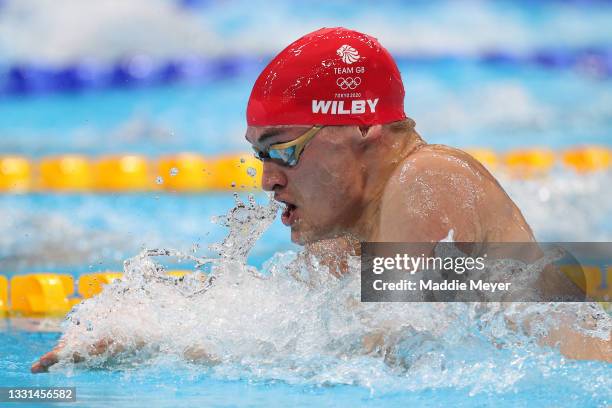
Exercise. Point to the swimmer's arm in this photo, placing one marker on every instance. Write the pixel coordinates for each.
(47, 360)
(578, 346)
(570, 342)
(58, 353)
(112, 348)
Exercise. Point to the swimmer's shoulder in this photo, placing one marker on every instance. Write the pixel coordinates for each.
(437, 188)
(421, 196)
(435, 160)
(451, 176)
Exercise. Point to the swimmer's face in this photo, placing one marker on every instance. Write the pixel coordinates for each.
(323, 191)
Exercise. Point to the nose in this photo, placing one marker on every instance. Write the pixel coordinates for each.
(273, 176)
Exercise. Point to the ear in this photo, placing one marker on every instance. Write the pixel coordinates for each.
(370, 133)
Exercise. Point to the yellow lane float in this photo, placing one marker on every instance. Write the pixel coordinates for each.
(15, 173)
(590, 158)
(190, 172)
(3, 295)
(177, 273)
(123, 173)
(42, 294)
(91, 284)
(529, 162)
(485, 156)
(239, 171)
(184, 172)
(69, 172)
(590, 279)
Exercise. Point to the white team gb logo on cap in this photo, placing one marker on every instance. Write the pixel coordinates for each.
(348, 54)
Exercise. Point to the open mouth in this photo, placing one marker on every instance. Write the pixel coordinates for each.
(288, 215)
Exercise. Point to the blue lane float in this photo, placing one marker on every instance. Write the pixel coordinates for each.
(137, 71)
(143, 71)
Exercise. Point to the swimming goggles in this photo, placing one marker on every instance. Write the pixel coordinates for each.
(288, 153)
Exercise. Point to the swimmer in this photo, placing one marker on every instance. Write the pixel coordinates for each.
(327, 118)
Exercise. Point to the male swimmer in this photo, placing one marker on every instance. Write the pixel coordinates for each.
(327, 118)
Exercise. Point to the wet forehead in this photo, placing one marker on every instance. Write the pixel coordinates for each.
(266, 135)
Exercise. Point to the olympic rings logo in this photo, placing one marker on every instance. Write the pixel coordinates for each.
(348, 83)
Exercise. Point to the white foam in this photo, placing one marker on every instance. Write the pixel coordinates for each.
(303, 325)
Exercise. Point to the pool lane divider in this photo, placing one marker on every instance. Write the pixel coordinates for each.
(42, 294)
(3, 295)
(195, 173)
(141, 70)
(53, 295)
(534, 162)
(180, 173)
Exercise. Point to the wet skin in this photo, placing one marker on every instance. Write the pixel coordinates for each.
(378, 186)
(356, 184)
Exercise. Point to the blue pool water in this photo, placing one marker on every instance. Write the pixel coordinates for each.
(566, 385)
(455, 97)
(459, 103)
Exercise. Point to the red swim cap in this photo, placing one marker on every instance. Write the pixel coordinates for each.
(333, 76)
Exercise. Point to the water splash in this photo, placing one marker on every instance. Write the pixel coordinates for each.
(294, 322)
(246, 222)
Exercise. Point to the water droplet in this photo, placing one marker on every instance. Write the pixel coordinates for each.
(174, 171)
(159, 180)
(233, 184)
(251, 171)
(242, 160)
